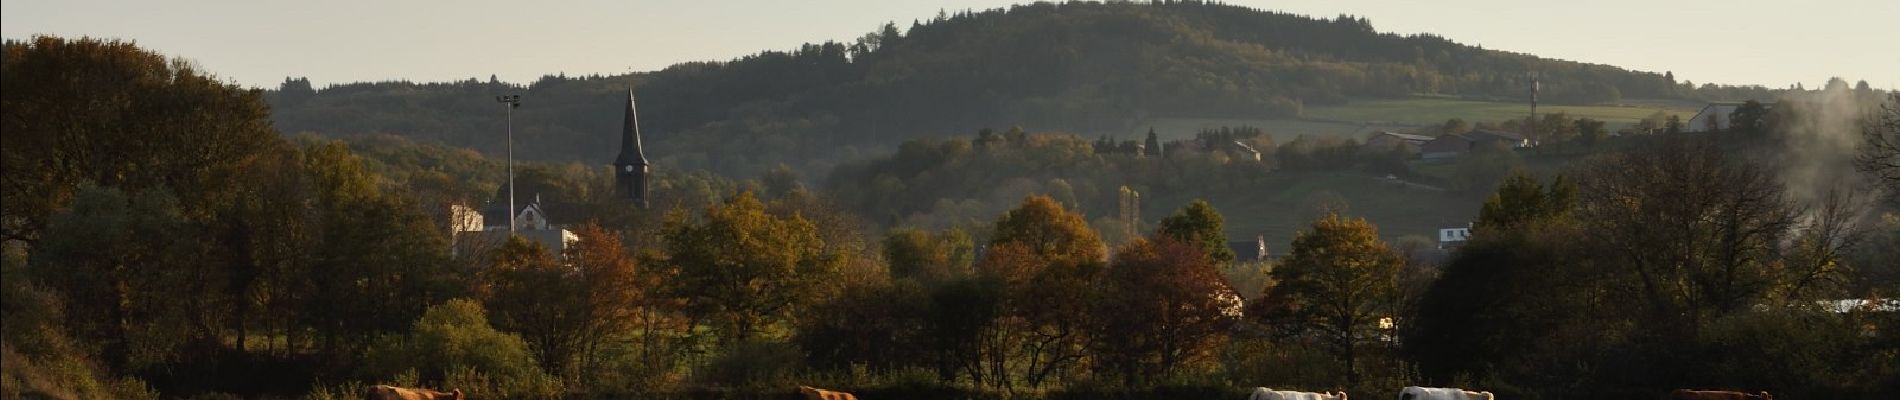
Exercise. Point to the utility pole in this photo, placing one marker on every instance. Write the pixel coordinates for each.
(509, 103)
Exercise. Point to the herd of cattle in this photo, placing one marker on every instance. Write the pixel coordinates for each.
(386, 392)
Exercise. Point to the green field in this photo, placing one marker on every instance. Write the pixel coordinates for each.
(1430, 111)
(1282, 130)
(1363, 116)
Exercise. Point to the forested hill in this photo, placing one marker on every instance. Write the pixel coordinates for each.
(1086, 68)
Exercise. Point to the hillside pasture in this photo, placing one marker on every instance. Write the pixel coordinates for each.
(1356, 119)
(1282, 130)
(1421, 111)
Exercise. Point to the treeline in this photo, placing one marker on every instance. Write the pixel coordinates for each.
(1077, 67)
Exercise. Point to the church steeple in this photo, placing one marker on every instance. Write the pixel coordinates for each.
(630, 168)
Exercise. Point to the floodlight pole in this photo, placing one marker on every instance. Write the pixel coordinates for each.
(509, 102)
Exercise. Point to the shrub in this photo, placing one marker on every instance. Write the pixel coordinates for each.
(753, 365)
(452, 343)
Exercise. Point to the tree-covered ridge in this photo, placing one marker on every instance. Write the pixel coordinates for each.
(1077, 67)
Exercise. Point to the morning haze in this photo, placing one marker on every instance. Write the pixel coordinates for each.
(880, 200)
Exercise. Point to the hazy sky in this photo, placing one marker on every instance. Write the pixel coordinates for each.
(259, 42)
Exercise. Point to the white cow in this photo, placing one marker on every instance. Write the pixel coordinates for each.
(1424, 393)
(1270, 394)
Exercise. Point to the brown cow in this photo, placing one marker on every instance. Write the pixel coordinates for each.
(1686, 394)
(812, 393)
(386, 392)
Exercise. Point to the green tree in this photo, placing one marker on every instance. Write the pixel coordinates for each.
(1454, 126)
(378, 261)
(1749, 117)
(1152, 145)
(122, 263)
(1516, 294)
(1590, 131)
(452, 342)
(114, 115)
(927, 257)
(780, 182)
(533, 294)
(743, 267)
(1521, 200)
(1199, 224)
(1336, 282)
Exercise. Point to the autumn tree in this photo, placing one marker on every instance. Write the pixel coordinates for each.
(1046, 258)
(1335, 284)
(742, 267)
(611, 287)
(1052, 233)
(1166, 308)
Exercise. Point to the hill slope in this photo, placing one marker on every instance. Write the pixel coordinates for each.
(1086, 68)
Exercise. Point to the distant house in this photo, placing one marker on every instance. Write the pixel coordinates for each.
(1384, 140)
(1511, 140)
(531, 223)
(1714, 117)
(1452, 145)
(1451, 238)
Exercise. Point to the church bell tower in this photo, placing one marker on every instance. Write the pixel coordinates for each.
(630, 168)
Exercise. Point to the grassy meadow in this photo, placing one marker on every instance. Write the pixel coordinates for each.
(1361, 116)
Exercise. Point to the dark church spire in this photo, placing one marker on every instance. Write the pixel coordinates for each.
(630, 168)
(630, 152)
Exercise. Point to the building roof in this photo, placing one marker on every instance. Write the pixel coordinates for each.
(1482, 134)
(1405, 136)
(630, 151)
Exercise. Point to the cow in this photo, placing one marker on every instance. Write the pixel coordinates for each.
(386, 392)
(1270, 394)
(1425, 393)
(1686, 394)
(812, 393)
